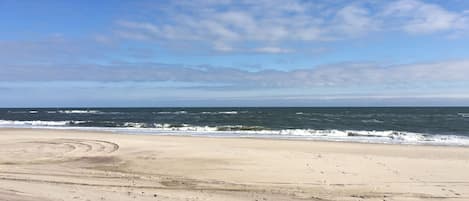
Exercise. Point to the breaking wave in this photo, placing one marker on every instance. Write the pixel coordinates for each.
(376, 121)
(465, 115)
(176, 112)
(82, 112)
(185, 112)
(9, 123)
(388, 137)
(79, 111)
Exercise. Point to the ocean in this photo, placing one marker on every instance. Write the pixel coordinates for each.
(391, 125)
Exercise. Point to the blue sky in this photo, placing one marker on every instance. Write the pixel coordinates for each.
(234, 53)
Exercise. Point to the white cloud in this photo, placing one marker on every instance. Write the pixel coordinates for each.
(222, 47)
(419, 17)
(274, 50)
(355, 20)
(239, 25)
(244, 23)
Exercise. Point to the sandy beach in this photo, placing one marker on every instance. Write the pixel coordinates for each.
(49, 165)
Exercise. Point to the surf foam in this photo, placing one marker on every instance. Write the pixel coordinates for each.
(389, 137)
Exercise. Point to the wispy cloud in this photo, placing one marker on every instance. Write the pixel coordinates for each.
(418, 17)
(273, 50)
(243, 23)
(251, 25)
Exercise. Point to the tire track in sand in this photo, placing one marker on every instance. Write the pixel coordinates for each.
(55, 150)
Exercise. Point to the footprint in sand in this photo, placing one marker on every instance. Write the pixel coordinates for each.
(452, 191)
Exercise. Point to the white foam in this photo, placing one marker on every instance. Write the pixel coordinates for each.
(228, 112)
(177, 112)
(372, 121)
(18, 112)
(389, 137)
(184, 128)
(82, 112)
(34, 123)
(465, 115)
(79, 111)
(134, 125)
(223, 112)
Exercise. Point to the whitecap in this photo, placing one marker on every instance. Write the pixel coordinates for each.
(79, 111)
(228, 112)
(33, 123)
(177, 112)
(367, 136)
(465, 115)
(372, 121)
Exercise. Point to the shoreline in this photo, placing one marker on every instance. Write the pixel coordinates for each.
(231, 137)
(239, 134)
(49, 164)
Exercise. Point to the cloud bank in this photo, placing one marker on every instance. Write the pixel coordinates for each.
(346, 74)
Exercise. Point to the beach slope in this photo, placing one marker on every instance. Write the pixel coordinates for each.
(49, 165)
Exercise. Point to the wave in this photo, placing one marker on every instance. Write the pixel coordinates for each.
(176, 112)
(60, 111)
(465, 115)
(83, 112)
(228, 112)
(185, 112)
(222, 112)
(376, 121)
(10, 123)
(78, 111)
(388, 137)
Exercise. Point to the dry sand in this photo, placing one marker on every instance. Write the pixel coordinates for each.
(40, 165)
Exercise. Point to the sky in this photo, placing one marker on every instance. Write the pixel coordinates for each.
(109, 53)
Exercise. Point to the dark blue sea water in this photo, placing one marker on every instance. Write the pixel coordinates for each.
(408, 125)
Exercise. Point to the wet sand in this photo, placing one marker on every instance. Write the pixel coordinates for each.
(49, 165)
